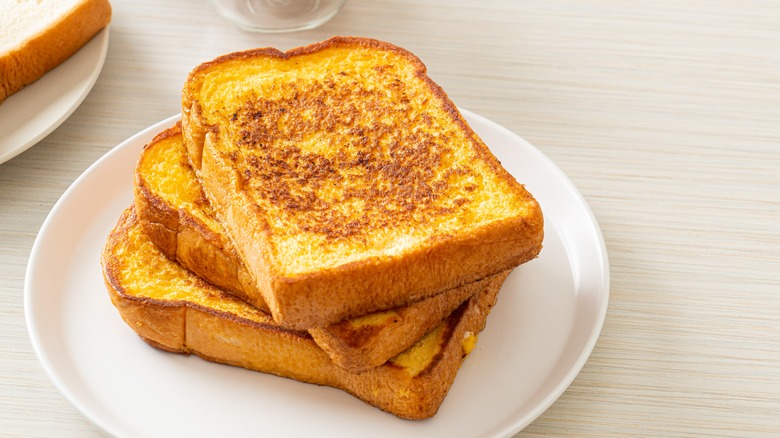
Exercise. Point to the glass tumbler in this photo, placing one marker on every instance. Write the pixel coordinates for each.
(278, 15)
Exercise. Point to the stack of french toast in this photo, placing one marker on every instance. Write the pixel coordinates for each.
(324, 214)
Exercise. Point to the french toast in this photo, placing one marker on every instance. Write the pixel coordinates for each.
(38, 35)
(175, 310)
(178, 219)
(348, 181)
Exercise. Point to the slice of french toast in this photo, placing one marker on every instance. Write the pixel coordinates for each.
(348, 181)
(176, 216)
(177, 311)
(180, 220)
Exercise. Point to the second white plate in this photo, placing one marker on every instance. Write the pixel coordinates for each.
(538, 337)
(36, 110)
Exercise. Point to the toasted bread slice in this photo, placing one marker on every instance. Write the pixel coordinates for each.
(180, 221)
(348, 181)
(174, 310)
(37, 36)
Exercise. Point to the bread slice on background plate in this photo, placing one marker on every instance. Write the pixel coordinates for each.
(348, 181)
(175, 310)
(38, 35)
(179, 220)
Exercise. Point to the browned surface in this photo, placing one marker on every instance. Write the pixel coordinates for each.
(395, 184)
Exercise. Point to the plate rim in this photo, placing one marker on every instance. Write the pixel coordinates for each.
(517, 425)
(587, 348)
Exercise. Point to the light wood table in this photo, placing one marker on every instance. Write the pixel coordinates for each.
(665, 114)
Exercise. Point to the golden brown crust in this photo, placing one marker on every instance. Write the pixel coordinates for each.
(353, 345)
(266, 181)
(41, 53)
(161, 323)
(205, 321)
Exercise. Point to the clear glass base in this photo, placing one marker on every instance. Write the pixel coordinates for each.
(278, 15)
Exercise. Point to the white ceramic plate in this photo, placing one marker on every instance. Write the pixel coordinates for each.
(29, 115)
(538, 337)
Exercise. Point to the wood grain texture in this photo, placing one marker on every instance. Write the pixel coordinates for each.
(665, 114)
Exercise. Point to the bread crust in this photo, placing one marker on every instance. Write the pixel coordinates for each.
(245, 338)
(26, 63)
(323, 296)
(353, 345)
